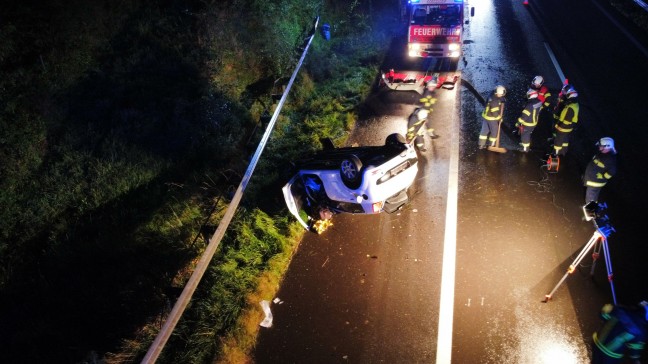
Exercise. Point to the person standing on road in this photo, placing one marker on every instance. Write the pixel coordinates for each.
(528, 120)
(600, 169)
(543, 92)
(426, 102)
(623, 334)
(566, 117)
(417, 123)
(492, 117)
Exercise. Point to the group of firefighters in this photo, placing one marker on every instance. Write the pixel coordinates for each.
(565, 117)
(625, 330)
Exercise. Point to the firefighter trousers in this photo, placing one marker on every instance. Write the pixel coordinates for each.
(488, 132)
(561, 142)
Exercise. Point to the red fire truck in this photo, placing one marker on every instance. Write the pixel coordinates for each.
(435, 28)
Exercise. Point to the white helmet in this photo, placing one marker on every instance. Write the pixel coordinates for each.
(537, 81)
(607, 142)
(532, 94)
(500, 90)
(422, 113)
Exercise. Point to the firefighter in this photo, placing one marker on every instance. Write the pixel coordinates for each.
(623, 334)
(426, 102)
(528, 120)
(600, 169)
(492, 117)
(543, 92)
(417, 125)
(565, 117)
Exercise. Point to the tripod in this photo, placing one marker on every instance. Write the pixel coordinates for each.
(598, 240)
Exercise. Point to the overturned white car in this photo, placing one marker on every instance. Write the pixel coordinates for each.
(356, 180)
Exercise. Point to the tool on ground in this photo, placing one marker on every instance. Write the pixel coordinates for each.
(496, 148)
(553, 163)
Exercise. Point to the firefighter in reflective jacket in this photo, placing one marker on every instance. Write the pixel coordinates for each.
(623, 334)
(566, 117)
(543, 92)
(426, 102)
(492, 117)
(417, 125)
(528, 119)
(600, 169)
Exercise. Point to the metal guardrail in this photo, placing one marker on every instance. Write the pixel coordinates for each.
(181, 304)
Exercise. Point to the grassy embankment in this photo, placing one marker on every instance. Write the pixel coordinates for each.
(125, 126)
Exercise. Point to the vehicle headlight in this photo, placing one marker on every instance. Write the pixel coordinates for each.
(453, 46)
(414, 47)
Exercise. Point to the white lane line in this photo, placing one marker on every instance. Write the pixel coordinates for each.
(555, 62)
(446, 306)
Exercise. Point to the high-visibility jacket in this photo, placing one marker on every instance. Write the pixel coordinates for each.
(624, 332)
(544, 95)
(567, 116)
(427, 100)
(600, 169)
(494, 108)
(529, 116)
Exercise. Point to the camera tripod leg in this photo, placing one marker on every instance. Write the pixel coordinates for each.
(608, 265)
(595, 255)
(590, 244)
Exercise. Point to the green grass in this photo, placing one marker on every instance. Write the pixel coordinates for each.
(126, 136)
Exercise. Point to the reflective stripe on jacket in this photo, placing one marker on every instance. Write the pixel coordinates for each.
(567, 118)
(623, 332)
(427, 100)
(600, 169)
(544, 95)
(529, 116)
(494, 108)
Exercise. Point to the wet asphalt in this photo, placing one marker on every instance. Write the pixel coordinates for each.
(369, 289)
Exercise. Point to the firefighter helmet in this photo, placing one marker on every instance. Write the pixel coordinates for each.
(532, 94)
(569, 91)
(538, 81)
(500, 91)
(422, 113)
(607, 142)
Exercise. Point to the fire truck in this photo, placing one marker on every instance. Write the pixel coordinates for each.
(435, 27)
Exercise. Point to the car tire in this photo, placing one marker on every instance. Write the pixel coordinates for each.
(350, 171)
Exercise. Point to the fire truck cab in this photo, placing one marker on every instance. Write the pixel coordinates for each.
(435, 28)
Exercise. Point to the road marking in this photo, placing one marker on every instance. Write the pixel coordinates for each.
(555, 62)
(446, 306)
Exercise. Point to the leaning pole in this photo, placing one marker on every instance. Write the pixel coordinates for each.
(181, 304)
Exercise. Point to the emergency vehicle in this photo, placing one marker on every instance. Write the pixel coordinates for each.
(435, 28)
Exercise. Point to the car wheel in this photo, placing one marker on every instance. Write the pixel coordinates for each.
(350, 171)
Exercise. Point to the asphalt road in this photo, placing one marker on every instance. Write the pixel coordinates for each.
(460, 273)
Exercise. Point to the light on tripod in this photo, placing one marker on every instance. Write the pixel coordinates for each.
(593, 212)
